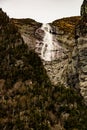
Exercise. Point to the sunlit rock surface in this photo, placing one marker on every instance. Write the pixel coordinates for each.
(49, 47)
(56, 55)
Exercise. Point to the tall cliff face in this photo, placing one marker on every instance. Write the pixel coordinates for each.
(81, 40)
(59, 49)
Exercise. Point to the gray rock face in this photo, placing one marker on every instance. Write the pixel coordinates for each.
(59, 59)
(81, 33)
(69, 67)
(82, 60)
(27, 28)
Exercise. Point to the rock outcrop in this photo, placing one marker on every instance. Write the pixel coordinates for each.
(81, 40)
(27, 28)
(84, 9)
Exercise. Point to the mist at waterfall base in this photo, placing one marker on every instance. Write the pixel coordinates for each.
(41, 10)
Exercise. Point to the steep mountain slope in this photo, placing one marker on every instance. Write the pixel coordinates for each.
(28, 98)
(63, 31)
(27, 29)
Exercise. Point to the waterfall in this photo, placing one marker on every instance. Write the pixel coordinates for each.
(48, 45)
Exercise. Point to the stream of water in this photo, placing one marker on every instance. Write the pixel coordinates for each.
(46, 52)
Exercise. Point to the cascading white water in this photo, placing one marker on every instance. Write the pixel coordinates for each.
(46, 52)
(51, 49)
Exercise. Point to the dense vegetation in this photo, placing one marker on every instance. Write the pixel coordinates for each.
(28, 105)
